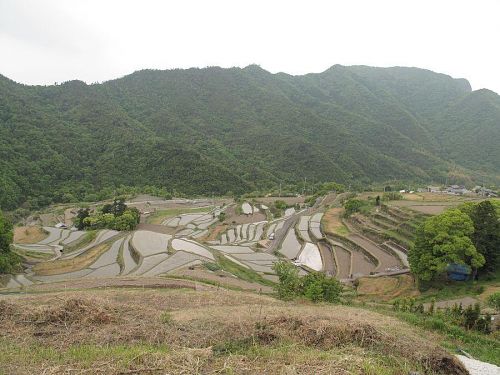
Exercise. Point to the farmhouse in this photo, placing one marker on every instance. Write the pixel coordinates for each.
(484, 192)
(457, 190)
(433, 189)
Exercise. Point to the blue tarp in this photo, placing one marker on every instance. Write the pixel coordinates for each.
(458, 272)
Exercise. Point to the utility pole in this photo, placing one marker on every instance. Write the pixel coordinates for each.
(279, 195)
(304, 190)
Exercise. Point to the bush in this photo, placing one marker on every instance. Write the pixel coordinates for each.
(289, 281)
(9, 262)
(392, 196)
(315, 286)
(115, 216)
(351, 206)
(494, 301)
(280, 205)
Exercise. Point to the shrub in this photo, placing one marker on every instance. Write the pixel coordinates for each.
(289, 282)
(392, 196)
(352, 205)
(315, 286)
(494, 301)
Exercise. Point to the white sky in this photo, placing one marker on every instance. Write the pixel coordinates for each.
(47, 41)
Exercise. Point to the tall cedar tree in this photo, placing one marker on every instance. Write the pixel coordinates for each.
(486, 236)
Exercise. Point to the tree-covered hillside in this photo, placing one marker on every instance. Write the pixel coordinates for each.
(214, 130)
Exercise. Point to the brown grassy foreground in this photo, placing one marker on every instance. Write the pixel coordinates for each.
(144, 331)
(29, 235)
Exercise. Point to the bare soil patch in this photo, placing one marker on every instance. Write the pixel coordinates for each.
(233, 217)
(29, 235)
(332, 222)
(386, 288)
(212, 236)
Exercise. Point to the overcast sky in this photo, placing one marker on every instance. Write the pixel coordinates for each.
(47, 41)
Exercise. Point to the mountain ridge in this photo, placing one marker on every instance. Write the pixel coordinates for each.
(243, 129)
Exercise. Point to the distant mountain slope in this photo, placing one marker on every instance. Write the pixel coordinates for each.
(214, 130)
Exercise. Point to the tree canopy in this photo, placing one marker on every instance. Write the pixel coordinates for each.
(9, 261)
(443, 240)
(213, 130)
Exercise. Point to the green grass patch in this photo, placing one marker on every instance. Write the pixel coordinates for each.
(211, 266)
(86, 239)
(447, 289)
(84, 355)
(481, 346)
(160, 215)
(32, 254)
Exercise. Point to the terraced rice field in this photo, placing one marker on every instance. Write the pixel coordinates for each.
(128, 261)
(245, 256)
(149, 243)
(248, 233)
(315, 226)
(343, 262)
(247, 208)
(178, 260)
(193, 239)
(291, 245)
(387, 261)
(311, 257)
(303, 227)
(191, 247)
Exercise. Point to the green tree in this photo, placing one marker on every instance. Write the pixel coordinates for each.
(80, 217)
(9, 261)
(280, 204)
(486, 236)
(442, 240)
(6, 234)
(312, 286)
(289, 282)
(352, 205)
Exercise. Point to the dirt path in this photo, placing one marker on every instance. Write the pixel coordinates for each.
(465, 301)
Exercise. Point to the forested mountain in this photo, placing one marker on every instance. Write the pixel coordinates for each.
(214, 130)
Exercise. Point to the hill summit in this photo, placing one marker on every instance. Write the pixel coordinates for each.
(215, 130)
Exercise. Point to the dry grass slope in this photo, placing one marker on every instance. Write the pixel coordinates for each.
(118, 331)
